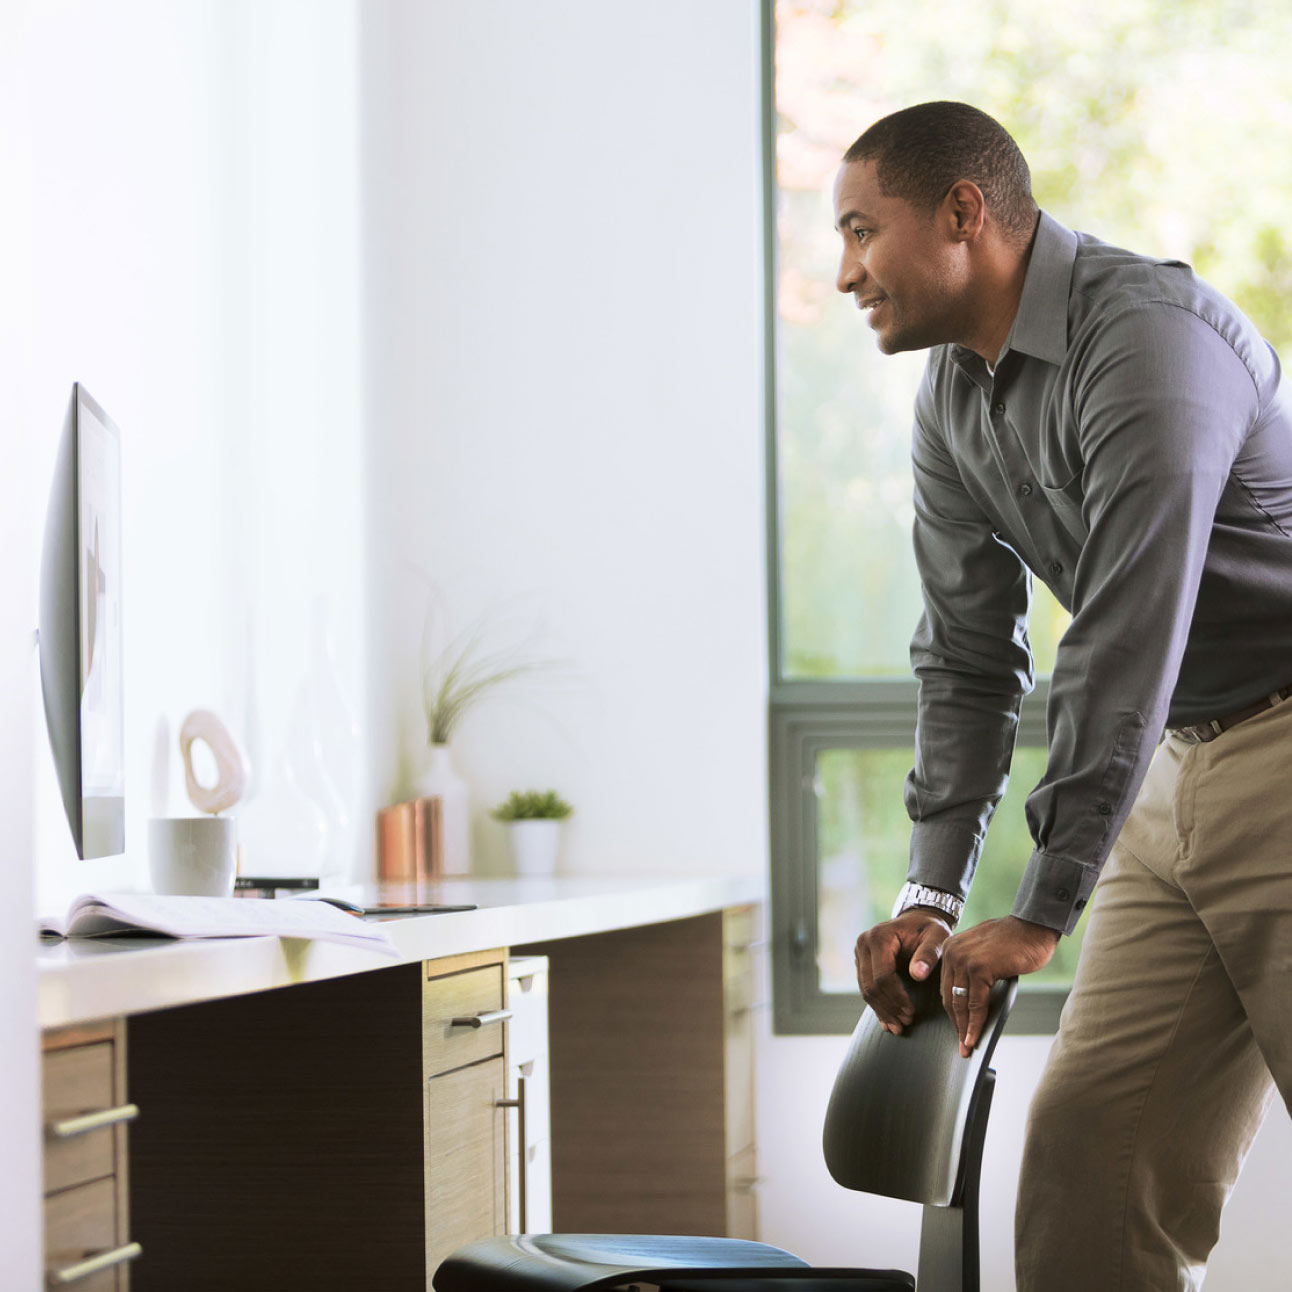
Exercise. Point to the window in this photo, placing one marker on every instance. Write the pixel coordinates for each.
(1161, 125)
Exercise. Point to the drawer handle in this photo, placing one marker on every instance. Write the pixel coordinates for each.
(71, 1127)
(482, 1020)
(103, 1261)
(522, 1184)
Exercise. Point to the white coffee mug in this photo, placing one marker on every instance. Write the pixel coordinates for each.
(195, 856)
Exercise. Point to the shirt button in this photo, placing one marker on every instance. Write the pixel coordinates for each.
(1063, 894)
(998, 408)
(1105, 809)
(1056, 569)
(1025, 490)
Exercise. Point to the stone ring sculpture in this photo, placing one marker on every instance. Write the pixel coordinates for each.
(230, 765)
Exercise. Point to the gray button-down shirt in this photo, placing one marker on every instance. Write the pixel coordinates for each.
(1133, 449)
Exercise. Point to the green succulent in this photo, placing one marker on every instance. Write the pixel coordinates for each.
(532, 805)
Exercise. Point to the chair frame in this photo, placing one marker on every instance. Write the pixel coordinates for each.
(950, 1245)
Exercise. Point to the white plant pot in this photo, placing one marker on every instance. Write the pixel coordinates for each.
(534, 847)
(441, 781)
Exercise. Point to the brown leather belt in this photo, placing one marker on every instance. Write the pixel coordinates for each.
(1201, 732)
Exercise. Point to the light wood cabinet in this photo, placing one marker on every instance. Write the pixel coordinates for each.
(85, 1113)
(466, 1157)
(466, 1121)
(464, 987)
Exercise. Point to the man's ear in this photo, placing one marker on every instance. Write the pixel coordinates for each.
(965, 210)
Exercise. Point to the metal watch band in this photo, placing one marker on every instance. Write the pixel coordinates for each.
(920, 895)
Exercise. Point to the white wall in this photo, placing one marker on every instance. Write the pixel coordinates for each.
(564, 405)
(20, 1217)
(195, 256)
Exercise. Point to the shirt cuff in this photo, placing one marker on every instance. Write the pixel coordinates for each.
(1054, 891)
(944, 856)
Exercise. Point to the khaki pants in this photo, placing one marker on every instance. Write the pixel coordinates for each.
(1181, 1010)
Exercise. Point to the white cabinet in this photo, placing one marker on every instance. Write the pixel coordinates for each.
(529, 1201)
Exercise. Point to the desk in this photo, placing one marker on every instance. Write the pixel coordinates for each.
(303, 1138)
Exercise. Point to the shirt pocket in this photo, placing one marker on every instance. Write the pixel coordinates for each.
(1066, 502)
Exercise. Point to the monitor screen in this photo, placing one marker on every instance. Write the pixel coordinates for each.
(80, 630)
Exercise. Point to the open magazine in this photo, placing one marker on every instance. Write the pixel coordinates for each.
(101, 915)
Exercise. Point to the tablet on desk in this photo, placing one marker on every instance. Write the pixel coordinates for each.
(397, 908)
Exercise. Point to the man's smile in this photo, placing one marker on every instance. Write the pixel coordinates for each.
(869, 304)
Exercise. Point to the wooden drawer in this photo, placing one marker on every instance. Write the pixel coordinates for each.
(468, 993)
(75, 1082)
(83, 1085)
(81, 1223)
(466, 1158)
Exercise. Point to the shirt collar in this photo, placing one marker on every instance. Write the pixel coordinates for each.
(1041, 324)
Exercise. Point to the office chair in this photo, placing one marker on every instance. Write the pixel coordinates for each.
(907, 1119)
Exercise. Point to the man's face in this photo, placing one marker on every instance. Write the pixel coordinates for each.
(898, 262)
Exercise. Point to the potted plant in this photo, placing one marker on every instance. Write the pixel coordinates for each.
(533, 819)
(455, 677)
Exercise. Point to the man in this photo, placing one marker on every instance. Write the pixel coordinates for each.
(1117, 427)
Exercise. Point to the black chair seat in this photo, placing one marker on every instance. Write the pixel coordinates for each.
(571, 1262)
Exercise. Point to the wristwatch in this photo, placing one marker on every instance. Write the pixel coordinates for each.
(921, 895)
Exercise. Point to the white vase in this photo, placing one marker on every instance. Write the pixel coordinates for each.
(534, 846)
(441, 781)
(283, 831)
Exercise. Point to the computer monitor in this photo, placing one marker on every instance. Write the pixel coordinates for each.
(80, 628)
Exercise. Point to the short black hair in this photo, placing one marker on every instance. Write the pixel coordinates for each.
(921, 151)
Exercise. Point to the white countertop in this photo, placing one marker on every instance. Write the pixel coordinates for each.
(84, 979)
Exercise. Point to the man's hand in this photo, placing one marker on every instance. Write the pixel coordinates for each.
(912, 942)
(978, 957)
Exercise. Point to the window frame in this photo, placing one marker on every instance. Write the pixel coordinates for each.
(806, 717)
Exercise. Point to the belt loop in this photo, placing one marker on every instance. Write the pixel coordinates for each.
(1214, 724)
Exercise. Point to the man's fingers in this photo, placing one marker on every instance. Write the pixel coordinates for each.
(980, 956)
(977, 1013)
(908, 944)
(865, 969)
(966, 1003)
(955, 997)
(885, 994)
(877, 976)
(927, 954)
